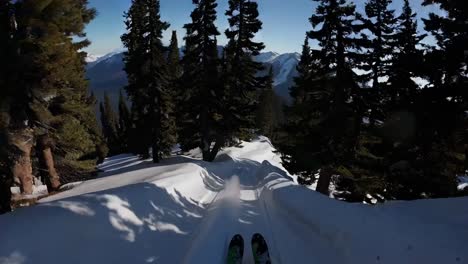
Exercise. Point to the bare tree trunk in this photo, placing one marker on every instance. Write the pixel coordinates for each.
(155, 148)
(217, 147)
(22, 141)
(323, 184)
(47, 163)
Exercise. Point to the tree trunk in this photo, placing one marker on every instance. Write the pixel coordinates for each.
(206, 146)
(22, 141)
(47, 163)
(217, 147)
(155, 150)
(5, 194)
(323, 184)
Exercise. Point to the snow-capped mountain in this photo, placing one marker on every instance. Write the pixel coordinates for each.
(92, 58)
(284, 69)
(106, 72)
(266, 57)
(109, 58)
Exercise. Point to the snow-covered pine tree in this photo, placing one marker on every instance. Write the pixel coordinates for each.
(201, 122)
(148, 86)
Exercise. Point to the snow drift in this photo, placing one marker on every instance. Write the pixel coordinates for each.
(186, 211)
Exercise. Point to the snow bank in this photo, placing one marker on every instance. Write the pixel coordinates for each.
(185, 211)
(462, 183)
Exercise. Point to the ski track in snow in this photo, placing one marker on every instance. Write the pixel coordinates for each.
(186, 211)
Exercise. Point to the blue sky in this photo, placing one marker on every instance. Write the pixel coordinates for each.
(285, 22)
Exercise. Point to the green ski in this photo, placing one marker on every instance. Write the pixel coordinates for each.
(236, 250)
(260, 250)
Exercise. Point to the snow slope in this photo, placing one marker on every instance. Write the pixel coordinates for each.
(185, 211)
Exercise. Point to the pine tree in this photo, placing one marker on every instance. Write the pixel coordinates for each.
(201, 124)
(407, 61)
(298, 90)
(447, 72)
(266, 114)
(335, 95)
(294, 141)
(381, 23)
(364, 172)
(450, 58)
(146, 68)
(5, 53)
(380, 46)
(110, 126)
(53, 80)
(125, 123)
(16, 134)
(435, 156)
(173, 59)
(134, 58)
(172, 95)
(242, 82)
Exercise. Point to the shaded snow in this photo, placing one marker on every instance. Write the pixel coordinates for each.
(185, 211)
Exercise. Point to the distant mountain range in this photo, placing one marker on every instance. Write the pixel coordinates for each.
(106, 73)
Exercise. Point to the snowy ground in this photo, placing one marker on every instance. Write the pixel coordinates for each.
(186, 211)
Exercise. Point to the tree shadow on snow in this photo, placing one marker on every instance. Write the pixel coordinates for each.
(139, 223)
(132, 164)
(135, 224)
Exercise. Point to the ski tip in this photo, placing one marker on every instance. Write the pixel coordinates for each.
(257, 236)
(236, 250)
(260, 249)
(237, 237)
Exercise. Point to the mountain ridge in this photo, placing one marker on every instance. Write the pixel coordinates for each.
(106, 74)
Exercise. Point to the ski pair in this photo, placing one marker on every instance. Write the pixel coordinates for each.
(259, 250)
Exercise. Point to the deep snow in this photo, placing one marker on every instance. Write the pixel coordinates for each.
(185, 211)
